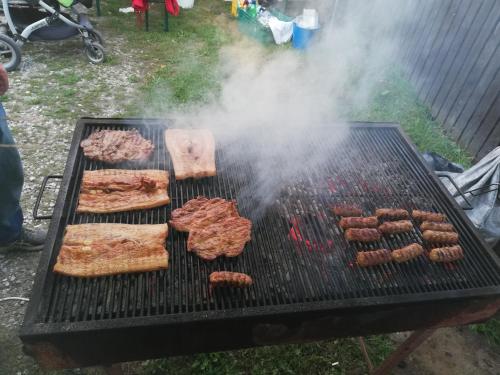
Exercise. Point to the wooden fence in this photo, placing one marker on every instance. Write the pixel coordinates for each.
(450, 52)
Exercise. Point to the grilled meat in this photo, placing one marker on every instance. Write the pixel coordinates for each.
(440, 227)
(225, 237)
(347, 210)
(446, 254)
(392, 213)
(428, 216)
(362, 235)
(115, 190)
(192, 152)
(440, 237)
(373, 258)
(358, 222)
(392, 227)
(201, 212)
(232, 279)
(114, 146)
(407, 253)
(90, 250)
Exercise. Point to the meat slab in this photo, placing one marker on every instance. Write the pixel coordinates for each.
(115, 146)
(226, 237)
(115, 190)
(90, 250)
(201, 212)
(192, 152)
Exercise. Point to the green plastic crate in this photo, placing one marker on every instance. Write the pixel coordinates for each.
(252, 27)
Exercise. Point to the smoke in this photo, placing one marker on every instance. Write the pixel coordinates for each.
(270, 103)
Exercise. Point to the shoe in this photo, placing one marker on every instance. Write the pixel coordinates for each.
(30, 240)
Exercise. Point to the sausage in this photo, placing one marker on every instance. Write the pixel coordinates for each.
(440, 227)
(391, 227)
(372, 258)
(428, 216)
(358, 222)
(440, 237)
(392, 213)
(225, 278)
(446, 254)
(347, 210)
(406, 253)
(362, 234)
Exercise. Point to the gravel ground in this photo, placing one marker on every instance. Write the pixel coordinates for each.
(54, 87)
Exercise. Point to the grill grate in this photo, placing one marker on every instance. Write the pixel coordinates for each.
(297, 253)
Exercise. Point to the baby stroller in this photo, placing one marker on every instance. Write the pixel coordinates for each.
(32, 20)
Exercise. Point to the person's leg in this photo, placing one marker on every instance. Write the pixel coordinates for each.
(11, 184)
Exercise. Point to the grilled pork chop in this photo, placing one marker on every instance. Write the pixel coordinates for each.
(192, 152)
(225, 237)
(114, 146)
(115, 190)
(90, 250)
(201, 212)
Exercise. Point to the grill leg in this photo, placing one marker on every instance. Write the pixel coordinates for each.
(403, 351)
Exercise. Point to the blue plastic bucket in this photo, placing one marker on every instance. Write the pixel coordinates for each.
(301, 38)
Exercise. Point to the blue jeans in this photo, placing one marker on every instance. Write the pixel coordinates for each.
(11, 185)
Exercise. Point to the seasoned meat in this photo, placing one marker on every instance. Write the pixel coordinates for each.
(232, 279)
(406, 253)
(428, 216)
(201, 212)
(362, 235)
(446, 254)
(90, 250)
(115, 190)
(392, 213)
(192, 152)
(440, 237)
(114, 146)
(225, 237)
(347, 210)
(373, 258)
(358, 222)
(392, 227)
(440, 227)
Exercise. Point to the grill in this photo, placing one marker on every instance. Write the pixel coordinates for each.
(306, 285)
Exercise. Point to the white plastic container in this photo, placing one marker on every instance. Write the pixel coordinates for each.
(309, 19)
(185, 4)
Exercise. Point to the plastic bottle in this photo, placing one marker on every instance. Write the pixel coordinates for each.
(234, 8)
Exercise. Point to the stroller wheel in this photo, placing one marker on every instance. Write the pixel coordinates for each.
(96, 36)
(95, 53)
(10, 53)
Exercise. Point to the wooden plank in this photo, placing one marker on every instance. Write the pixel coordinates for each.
(462, 30)
(483, 139)
(453, 80)
(424, 36)
(474, 63)
(474, 86)
(424, 10)
(411, 27)
(446, 39)
(479, 104)
(403, 26)
(430, 39)
(492, 141)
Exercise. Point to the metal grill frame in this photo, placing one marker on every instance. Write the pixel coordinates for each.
(76, 344)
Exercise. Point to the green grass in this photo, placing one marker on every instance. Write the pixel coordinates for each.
(329, 357)
(179, 65)
(394, 100)
(491, 329)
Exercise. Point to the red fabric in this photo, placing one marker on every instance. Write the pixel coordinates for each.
(140, 5)
(172, 7)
